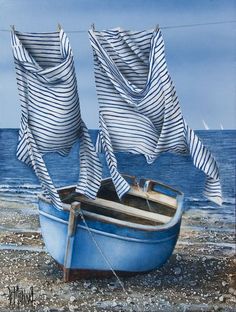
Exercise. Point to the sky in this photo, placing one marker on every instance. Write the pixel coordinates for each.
(201, 60)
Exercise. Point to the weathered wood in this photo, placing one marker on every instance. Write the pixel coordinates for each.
(154, 197)
(111, 205)
(66, 275)
(75, 206)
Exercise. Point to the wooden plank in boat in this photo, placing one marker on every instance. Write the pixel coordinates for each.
(155, 197)
(107, 204)
(151, 195)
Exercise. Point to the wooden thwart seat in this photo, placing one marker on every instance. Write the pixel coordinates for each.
(154, 197)
(128, 210)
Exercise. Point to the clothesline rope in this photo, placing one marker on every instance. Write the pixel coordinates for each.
(161, 27)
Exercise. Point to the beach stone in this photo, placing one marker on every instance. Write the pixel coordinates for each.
(221, 298)
(114, 304)
(87, 284)
(104, 304)
(193, 283)
(113, 285)
(232, 291)
(72, 299)
(71, 308)
(177, 270)
(94, 289)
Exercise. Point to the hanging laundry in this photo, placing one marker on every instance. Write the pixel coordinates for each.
(51, 120)
(139, 107)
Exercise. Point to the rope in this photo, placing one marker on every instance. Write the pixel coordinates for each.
(161, 27)
(107, 261)
(198, 24)
(147, 200)
(103, 255)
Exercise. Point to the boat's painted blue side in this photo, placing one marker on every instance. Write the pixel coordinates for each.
(127, 248)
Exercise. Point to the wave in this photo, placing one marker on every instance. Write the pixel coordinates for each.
(19, 186)
(226, 200)
(19, 198)
(27, 191)
(33, 189)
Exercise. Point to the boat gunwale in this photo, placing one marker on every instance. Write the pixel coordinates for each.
(174, 220)
(108, 179)
(99, 232)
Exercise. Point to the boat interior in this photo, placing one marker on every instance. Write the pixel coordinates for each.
(152, 207)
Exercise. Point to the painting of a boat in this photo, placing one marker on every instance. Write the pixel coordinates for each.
(145, 226)
(117, 224)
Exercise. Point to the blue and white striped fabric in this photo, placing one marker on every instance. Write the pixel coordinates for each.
(139, 108)
(51, 120)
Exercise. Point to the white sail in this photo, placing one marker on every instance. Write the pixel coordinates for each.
(51, 120)
(221, 127)
(139, 108)
(205, 125)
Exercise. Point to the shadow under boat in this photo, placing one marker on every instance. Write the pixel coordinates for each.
(95, 237)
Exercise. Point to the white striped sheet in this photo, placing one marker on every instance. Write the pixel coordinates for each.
(52, 90)
(121, 185)
(125, 51)
(133, 83)
(51, 120)
(124, 48)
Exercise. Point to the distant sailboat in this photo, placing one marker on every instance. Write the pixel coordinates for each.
(205, 124)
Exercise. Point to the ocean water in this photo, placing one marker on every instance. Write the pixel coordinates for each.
(19, 186)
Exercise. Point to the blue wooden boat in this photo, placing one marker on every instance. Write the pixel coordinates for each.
(89, 237)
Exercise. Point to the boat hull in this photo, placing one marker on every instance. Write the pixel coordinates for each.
(98, 244)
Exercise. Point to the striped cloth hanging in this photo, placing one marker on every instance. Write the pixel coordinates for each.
(51, 120)
(139, 108)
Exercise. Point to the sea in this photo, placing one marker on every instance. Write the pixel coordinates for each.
(19, 186)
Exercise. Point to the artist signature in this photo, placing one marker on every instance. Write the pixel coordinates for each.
(20, 297)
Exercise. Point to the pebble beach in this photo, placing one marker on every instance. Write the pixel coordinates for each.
(199, 276)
